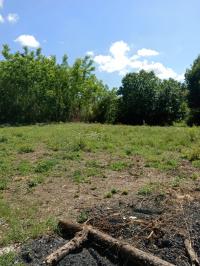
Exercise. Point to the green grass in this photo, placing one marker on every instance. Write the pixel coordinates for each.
(81, 153)
(10, 259)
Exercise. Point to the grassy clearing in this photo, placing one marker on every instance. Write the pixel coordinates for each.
(32, 156)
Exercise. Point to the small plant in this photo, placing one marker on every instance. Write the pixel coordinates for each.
(35, 181)
(176, 181)
(26, 149)
(194, 176)
(3, 139)
(125, 192)
(9, 259)
(148, 189)
(3, 184)
(113, 190)
(108, 195)
(83, 217)
(45, 166)
(128, 151)
(78, 177)
(118, 166)
(24, 167)
(196, 163)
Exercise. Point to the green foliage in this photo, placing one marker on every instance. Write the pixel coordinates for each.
(83, 217)
(45, 165)
(192, 78)
(35, 88)
(147, 99)
(9, 259)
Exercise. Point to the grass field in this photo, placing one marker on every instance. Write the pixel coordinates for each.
(52, 171)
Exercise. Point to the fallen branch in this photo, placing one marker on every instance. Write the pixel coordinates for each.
(124, 251)
(70, 246)
(191, 253)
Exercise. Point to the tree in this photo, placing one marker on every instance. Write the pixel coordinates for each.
(147, 99)
(192, 78)
(138, 97)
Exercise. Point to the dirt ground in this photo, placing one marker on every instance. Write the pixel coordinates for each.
(157, 223)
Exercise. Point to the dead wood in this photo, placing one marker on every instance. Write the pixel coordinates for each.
(124, 251)
(191, 253)
(70, 246)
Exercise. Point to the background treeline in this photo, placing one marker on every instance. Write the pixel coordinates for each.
(35, 88)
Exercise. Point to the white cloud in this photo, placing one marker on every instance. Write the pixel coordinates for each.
(1, 19)
(12, 17)
(119, 61)
(147, 52)
(28, 40)
(90, 53)
(1, 3)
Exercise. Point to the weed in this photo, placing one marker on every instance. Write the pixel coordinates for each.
(113, 190)
(78, 177)
(3, 183)
(83, 217)
(149, 189)
(26, 149)
(176, 181)
(3, 139)
(9, 259)
(45, 166)
(118, 166)
(125, 192)
(108, 195)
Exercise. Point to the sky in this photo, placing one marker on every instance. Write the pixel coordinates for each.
(120, 35)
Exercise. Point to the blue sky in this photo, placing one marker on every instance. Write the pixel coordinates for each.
(120, 35)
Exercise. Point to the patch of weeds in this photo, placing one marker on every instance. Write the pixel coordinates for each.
(3, 183)
(73, 156)
(118, 166)
(45, 166)
(114, 191)
(125, 192)
(78, 176)
(194, 176)
(92, 172)
(25, 149)
(128, 151)
(24, 167)
(92, 163)
(148, 189)
(83, 217)
(9, 259)
(196, 163)
(79, 145)
(35, 181)
(3, 139)
(108, 195)
(176, 181)
(193, 154)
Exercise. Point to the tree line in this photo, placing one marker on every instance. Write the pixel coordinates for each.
(36, 89)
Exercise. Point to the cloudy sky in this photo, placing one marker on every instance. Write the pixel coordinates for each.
(120, 35)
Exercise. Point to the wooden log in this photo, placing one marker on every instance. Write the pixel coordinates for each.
(124, 251)
(191, 253)
(70, 246)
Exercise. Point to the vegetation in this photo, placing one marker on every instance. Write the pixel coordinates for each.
(37, 89)
(74, 161)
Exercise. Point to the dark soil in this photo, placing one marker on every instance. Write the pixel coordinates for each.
(35, 251)
(157, 224)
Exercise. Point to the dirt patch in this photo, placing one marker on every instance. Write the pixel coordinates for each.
(35, 252)
(157, 224)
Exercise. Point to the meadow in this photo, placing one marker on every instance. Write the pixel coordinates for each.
(52, 171)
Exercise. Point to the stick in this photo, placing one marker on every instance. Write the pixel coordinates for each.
(125, 251)
(70, 246)
(191, 253)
